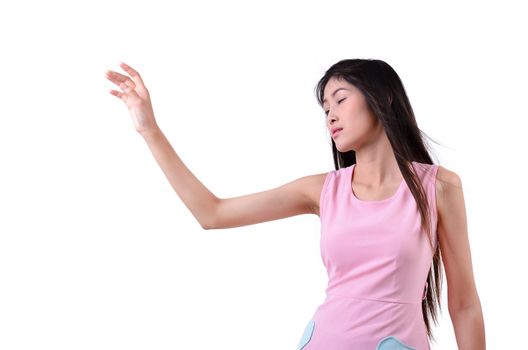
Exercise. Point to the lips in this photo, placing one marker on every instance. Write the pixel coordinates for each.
(335, 131)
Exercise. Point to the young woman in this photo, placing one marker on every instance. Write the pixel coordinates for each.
(389, 216)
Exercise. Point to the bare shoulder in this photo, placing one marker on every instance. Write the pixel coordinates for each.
(448, 188)
(446, 176)
(314, 186)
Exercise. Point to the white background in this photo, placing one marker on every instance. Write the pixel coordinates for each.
(97, 251)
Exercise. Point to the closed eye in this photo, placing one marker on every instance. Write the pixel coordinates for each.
(326, 112)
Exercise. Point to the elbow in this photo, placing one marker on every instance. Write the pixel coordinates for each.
(208, 225)
(209, 221)
(456, 308)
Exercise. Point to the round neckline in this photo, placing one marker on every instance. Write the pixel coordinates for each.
(351, 191)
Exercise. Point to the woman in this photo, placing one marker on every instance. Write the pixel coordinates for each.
(389, 216)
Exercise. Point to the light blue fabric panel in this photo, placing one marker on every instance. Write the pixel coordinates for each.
(307, 335)
(392, 343)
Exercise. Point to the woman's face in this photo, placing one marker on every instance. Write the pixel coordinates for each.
(346, 108)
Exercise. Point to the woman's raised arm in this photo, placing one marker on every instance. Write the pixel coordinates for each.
(300, 196)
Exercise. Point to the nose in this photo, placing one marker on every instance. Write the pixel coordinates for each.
(330, 118)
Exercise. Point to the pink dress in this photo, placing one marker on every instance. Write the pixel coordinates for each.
(377, 260)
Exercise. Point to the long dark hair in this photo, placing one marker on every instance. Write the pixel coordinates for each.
(386, 97)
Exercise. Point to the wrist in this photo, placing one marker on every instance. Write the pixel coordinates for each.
(150, 132)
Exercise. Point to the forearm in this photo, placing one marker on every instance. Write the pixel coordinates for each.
(200, 201)
(468, 324)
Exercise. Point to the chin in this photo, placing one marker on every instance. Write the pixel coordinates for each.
(341, 148)
(344, 149)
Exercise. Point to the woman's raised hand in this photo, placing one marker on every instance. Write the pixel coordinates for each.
(136, 97)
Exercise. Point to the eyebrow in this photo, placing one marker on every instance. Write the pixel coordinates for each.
(333, 93)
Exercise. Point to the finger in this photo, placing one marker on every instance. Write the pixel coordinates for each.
(124, 87)
(127, 89)
(116, 93)
(133, 73)
(118, 78)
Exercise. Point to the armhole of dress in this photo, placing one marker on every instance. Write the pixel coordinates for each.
(433, 199)
(322, 203)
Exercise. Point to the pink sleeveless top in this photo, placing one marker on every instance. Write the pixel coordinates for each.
(377, 259)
